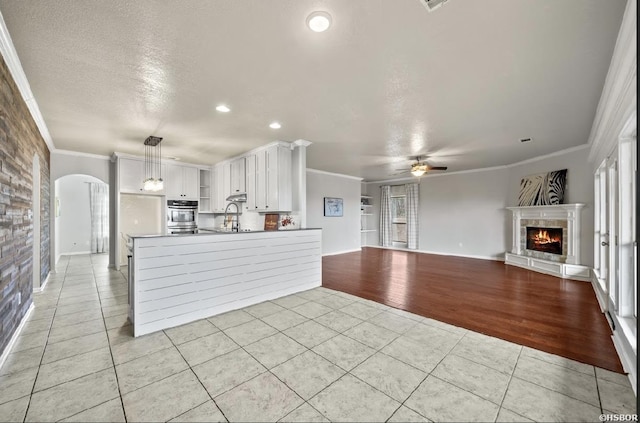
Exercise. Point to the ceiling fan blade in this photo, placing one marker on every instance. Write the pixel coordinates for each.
(404, 170)
(437, 167)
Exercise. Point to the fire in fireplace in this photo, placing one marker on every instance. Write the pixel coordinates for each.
(546, 240)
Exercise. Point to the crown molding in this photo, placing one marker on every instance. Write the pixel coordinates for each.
(80, 154)
(12, 60)
(339, 175)
(618, 101)
(548, 156)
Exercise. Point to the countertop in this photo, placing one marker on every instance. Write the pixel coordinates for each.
(215, 231)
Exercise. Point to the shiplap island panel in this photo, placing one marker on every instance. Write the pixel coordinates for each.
(180, 279)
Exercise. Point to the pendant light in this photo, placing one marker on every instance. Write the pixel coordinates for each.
(152, 165)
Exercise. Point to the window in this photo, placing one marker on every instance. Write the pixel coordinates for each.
(615, 249)
(398, 215)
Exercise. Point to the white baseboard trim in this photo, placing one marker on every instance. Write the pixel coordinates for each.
(342, 252)
(438, 253)
(76, 253)
(628, 362)
(600, 296)
(43, 284)
(14, 338)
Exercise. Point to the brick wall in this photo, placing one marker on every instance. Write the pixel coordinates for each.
(20, 140)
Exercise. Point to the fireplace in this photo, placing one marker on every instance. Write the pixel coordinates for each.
(546, 240)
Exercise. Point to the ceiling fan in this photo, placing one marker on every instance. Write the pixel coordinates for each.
(420, 168)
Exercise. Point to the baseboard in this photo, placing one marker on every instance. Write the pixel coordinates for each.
(600, 296)
(14, 338)
(43, 284)
(439, 253)
(629, 364)
(342, 252)
(76, 253)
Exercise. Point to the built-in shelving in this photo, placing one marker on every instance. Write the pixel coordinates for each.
(204, 205)
(366, 210)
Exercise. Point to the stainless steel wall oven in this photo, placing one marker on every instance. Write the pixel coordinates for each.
(182, 216)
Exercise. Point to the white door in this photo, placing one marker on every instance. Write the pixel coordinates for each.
(602, 228)
(612, 225)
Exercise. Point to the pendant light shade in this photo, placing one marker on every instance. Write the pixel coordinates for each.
(152, 165)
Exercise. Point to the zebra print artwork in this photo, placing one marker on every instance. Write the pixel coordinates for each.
(543, 189)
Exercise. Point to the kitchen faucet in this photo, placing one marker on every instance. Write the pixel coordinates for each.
(226, 210)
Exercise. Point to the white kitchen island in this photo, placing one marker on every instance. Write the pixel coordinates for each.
(180, 279)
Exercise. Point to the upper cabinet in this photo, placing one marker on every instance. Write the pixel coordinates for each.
(250, 181)
(130, 175)
(238, 182)
(273, 179)
(221, 187)
(181, 182)
(264, 174)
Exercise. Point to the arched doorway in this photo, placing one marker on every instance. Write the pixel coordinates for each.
(81, 216)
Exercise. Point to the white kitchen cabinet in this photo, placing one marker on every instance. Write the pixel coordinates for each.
(226, 183)
(237, 176)
(250, 181)
(273, 179)
(221, 187)
(181, 182)
(191, 183)
(131, 175)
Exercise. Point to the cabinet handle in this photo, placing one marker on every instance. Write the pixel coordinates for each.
(604, 243)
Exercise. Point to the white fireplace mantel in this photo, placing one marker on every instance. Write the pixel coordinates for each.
(566, 216)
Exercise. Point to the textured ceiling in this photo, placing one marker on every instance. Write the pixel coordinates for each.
(387, 81)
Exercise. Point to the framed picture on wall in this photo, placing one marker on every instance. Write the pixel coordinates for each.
(333, 207)
(271, 221)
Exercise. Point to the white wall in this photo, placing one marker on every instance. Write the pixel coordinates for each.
(75, 164)
(464, 213)
(460, 214)
(65, 163)
(339, 234)
(579, 189)
(73, 226)
(139, 215)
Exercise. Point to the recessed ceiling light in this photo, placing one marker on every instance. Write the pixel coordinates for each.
(275, 125)
(319, 21)
(222, 108)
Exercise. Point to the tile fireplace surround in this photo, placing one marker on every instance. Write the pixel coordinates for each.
(565, 216)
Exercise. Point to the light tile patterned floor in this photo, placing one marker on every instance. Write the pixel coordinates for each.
(319, 355)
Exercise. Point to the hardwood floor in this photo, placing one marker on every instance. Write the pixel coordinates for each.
(555, 315)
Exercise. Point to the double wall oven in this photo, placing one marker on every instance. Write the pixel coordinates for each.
(182, 217)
